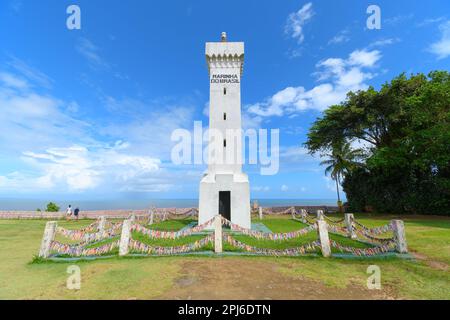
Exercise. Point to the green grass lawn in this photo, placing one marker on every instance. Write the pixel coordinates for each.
(122, 278)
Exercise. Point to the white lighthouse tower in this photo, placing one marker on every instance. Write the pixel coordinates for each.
(224, 189)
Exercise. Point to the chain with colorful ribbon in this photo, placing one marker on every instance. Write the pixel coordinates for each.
(140, 247)
(307, 248)
(86, 237)
(268, 235)
(373, 231)
(81, 251)
(388, 247)
(157, 234)
(371, 238)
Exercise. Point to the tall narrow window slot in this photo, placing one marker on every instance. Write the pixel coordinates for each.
(224, 116)
(224, 91)
(224, 143)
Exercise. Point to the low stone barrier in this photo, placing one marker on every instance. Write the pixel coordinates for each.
(109, 214)
(167, 212)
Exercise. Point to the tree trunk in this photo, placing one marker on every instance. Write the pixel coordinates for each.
(340, 206)
(337, 188)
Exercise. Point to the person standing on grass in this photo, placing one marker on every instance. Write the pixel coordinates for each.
(76, 212)
(68, 212)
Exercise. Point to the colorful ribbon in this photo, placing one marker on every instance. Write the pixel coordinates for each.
(146, 249)
(307, 248)
(80, 251)
(268, 235)
(156, 234)
(364, 252)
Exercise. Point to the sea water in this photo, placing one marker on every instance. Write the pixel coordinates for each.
(136, 204)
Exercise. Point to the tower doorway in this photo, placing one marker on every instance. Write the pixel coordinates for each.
(225, 204)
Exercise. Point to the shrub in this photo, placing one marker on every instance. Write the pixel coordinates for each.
(52, 207)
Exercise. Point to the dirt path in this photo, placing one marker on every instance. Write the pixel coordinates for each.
(438, 265)
(230, 279)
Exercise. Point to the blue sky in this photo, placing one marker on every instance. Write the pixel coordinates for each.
(89, 113)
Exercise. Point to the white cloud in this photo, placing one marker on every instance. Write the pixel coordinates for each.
(35, 76)
(12, 81)
(401, 18)
(297, 20)
(31, 118)
(284, 188)
(206, 109)
(261, 188)
(341, 76)
(429, 21)
(77, 168)
(441, 48)
(364, 58)
(150, 132)
(91, 52)
(250, 121)
(341, 37)
(383, 42)
(56, 152)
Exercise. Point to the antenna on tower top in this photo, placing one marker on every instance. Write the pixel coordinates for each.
(224, 37)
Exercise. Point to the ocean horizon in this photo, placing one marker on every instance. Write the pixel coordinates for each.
(136, 204)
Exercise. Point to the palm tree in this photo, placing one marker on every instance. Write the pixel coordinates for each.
(341, 160)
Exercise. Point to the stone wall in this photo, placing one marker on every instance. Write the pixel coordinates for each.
(122, 214)
(310, 209)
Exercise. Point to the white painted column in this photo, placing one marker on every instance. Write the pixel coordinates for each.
(319, 214)
(349, 218)
(322, 230)
(218, 234)
(101, 224)
(133, 218)
(260, 213)
(49, 236)
(398, 228)
(125, 237)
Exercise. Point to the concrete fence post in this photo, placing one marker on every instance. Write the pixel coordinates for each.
(218, 234)
(152, 217)
(319, 214)
(398, 227)
(101, 224)
(322, 230)
(49, 236)
(349, 219)
(260, 213)
(125, 238)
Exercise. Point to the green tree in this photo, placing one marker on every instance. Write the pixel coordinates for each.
(406, 127)
(52, 207)
(340, 161)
